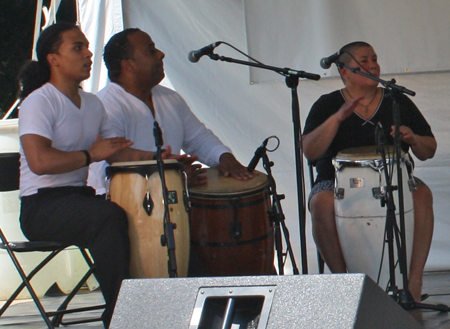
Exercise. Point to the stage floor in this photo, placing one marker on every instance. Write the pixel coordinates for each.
(24, 315)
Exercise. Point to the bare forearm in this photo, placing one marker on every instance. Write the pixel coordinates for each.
(53, 161)
(317, 141)
(424, 147)
(44, 159)
(131, 154)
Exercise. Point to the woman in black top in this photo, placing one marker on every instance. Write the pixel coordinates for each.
(348, 118)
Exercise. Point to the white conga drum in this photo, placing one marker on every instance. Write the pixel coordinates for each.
(231, 232)
(136, 187)
(361, 215)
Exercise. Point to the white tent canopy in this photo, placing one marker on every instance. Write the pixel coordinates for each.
(293, 34)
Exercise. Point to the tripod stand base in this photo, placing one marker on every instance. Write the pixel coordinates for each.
(437, 307)
(406, 301)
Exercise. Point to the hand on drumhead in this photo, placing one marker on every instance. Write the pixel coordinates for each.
(406, 134)
(229, 166)
(194, 174)
(186, 159)
(167, 154)
(105, 148)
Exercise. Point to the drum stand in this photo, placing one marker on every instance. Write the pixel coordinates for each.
(168, 238)
(391, 228)
(277, 218)
(403, 297)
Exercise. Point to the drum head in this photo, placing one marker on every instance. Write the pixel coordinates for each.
(365, 153)
(220, 185)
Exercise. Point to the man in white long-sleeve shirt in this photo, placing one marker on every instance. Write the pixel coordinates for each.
(134, 100)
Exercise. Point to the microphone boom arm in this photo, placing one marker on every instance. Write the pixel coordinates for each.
(388, 84)
(285, 71)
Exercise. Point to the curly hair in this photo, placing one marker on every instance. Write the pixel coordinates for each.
(117, 49)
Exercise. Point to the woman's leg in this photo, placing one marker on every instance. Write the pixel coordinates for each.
(423, 233)
(324, 231)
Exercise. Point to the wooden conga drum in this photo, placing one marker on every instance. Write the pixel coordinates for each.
(136, 187)
(231, 233)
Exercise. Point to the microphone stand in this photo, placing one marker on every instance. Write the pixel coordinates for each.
(277, 217)
(168, 238)
(292, 77)
(391, 223)
(403, 296)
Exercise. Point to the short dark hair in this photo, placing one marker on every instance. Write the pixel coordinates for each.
(117, 49)
(346, 52)
(34, 74)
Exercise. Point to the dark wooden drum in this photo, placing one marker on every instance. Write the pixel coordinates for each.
(231, 233)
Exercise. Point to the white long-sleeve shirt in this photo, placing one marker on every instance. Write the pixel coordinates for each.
(130, 117)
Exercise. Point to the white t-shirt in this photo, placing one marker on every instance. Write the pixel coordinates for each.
(49, 113)
(132, 118)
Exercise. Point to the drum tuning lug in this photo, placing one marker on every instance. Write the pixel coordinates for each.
(148, 204)
(187, 201)
(412, 184)
(378, 192)
(339, 193)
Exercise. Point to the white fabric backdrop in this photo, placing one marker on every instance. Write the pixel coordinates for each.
(243, 114)
(99, 20)
(412, 34)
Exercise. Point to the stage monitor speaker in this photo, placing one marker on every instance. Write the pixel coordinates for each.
(257, 302)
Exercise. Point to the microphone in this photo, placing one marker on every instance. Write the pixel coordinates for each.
(326, 62)
(258, 155)
(195, 55)
(158, 135)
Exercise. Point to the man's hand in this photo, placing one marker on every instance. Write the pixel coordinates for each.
(229, 166)
(194, 171)
(103, 149)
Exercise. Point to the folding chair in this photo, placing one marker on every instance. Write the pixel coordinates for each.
(9, 181)
(320, 262)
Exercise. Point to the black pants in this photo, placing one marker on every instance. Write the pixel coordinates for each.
(75, 216)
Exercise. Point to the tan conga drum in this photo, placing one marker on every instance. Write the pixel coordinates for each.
(231, 233)
(136, 187)
(361, 215)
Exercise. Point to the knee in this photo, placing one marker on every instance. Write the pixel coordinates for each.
(115, 215)
(423, 197)
(112, 223)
